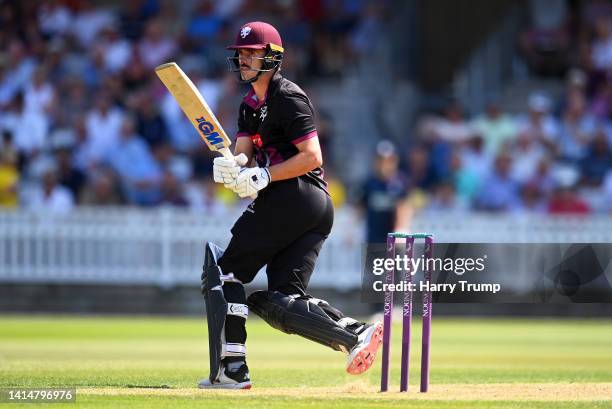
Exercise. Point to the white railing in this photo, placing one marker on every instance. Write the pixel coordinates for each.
(164, 246)
(123, 245)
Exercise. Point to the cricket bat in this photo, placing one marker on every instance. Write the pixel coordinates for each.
(195, 107)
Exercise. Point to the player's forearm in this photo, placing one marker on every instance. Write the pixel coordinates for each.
(244, 145)
(295, 166)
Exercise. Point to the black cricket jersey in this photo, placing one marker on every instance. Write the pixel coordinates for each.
(275, 125)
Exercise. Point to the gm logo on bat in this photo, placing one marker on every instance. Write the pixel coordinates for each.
(208, 130)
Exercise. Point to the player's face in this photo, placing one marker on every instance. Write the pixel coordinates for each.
(250, 61)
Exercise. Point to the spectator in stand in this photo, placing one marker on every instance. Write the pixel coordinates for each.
(418, 168)
(229, 8)
(543, 179)
(88, 22)
(155, 47)
(172, 192)
(577, 128)
(57, 63)
(132, 19)
(576, 83)
(382, 194)
(565, 200)
(499, 192)
(601, 105)
(6, 90)
(203, 27)
(39, 96)
(80, 154)
(9, 174)
(116, 52)
(30, 129)
(453, 128)
(532, 199)
(601, 49)
(445, 200)
(103, 124)
(101, 190)
(366, 37)
(139, 172)
(7, 146)
(466, 181)
(444, 134)
(48, 196)
(597, 162)
(607, 192)
(54, 18)
(75, 102)
(496, 127)
(68, 174)
(475, 158)
(151, 126)
(18, 71)
(539, 124)
(136, 75)
(527, 155)
(119, 95)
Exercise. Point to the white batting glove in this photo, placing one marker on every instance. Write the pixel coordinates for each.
(252, 180)
(226, 170)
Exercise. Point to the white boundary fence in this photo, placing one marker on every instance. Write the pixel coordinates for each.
(164, 246)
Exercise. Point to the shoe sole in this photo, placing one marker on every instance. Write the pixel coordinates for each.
(363, 359)
(242, 385)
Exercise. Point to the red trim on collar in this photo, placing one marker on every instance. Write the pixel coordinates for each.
(251, 99)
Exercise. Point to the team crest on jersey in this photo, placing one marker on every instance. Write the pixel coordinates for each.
(245, 31)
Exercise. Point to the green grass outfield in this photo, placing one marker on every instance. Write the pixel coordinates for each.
(490, 363)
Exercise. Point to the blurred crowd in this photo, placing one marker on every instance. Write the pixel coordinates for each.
(84, 120)
(556, 155)
(538, 161)
(554, 158)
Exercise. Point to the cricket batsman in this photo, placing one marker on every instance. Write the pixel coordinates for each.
(277, 160)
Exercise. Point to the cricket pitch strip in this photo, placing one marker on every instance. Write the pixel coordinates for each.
(546, 392)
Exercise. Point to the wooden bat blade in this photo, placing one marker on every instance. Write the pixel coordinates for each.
(194, 106)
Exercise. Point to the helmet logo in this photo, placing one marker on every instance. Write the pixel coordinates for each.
(244, 31)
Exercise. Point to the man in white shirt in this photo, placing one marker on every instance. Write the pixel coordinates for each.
(48, 196)
(103, 125)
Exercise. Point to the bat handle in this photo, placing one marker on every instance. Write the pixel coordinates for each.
(227, 154)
